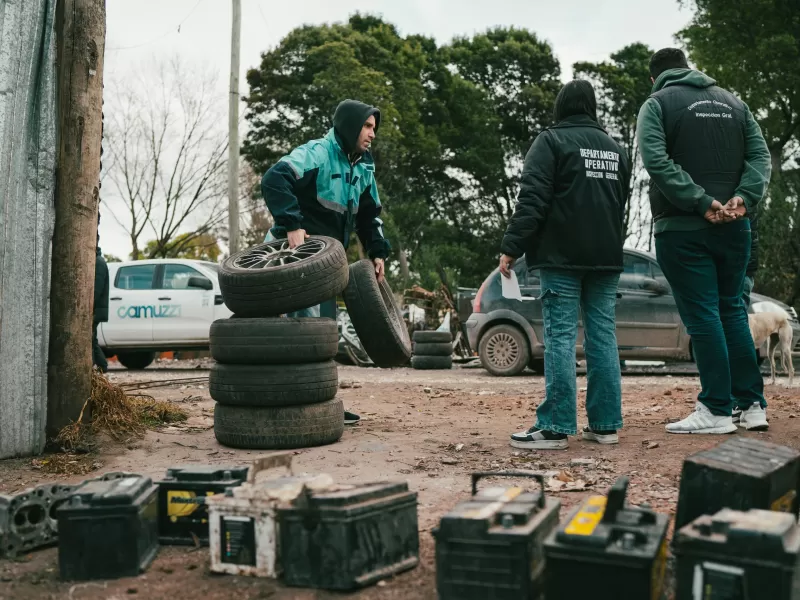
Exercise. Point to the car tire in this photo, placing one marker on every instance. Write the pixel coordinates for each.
(432, 349)
(376, 317)
(504, 351)
(250, 290)
(429, 363)
(277, 428)
(273, 385)
(433, 337)
(273, 341)
(536, 365)
(136, 361)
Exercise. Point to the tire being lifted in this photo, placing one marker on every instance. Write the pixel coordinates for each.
(274, 428)
(376, 317)
(271, 279)
(273, 341)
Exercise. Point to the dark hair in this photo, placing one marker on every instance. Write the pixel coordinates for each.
(665, 59)
(575, 98)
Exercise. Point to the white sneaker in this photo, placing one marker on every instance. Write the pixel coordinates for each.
(754, 418)
(702, 421)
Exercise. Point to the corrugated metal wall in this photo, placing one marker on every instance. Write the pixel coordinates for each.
(27, 180)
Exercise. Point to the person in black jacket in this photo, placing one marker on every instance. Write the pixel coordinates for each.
(100, 309)
(568, 222)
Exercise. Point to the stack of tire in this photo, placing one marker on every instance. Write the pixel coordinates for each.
(432, 350)
(275, 381)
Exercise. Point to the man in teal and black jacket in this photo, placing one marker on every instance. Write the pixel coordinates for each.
(709, 168)
(327, 187)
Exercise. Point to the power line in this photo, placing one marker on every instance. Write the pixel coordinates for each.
(162, 36)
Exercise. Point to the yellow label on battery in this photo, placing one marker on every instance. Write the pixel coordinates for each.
(588, 517)
(181, 503)
(657, 574)
(490, 508)
(785, 502)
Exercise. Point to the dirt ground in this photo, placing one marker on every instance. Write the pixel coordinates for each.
(413, 423)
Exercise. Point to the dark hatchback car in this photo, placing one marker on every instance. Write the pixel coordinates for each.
(507, 333)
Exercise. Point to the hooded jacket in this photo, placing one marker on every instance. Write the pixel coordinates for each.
(572, 196)
(328, 189)
(665, 132)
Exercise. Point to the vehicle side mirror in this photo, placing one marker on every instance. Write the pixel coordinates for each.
(651, 285)
(200, 283)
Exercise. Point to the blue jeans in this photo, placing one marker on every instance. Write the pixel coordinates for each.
(327, 309)
(706, 270)
(594, 293)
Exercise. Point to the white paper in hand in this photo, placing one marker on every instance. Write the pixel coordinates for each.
(509, 287)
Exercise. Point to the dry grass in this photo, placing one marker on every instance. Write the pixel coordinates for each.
(116, 414)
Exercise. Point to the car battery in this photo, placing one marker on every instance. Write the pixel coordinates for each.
(244, 524)
(491, 546)
(350, 536)
(607, 550)
(108, 529)
(741, 473)
(736, 555)
(182, 494)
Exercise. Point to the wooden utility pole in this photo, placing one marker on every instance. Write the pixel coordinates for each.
(80, 46)
(233, 129)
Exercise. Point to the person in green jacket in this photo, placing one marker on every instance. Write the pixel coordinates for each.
(709, 168)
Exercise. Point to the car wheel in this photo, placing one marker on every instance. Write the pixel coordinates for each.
(504, 351)
(432, 337)
(536, 365)
(275, 428)
(376, 317)
(425, 363)
(271, 279)
(273, 385)
(136, 360)
(433, 349)
(273, 341)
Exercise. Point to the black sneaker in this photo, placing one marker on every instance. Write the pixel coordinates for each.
(601, 437)
(539, 439)
(351, 418)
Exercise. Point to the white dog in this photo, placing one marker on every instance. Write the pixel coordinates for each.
(762, 326)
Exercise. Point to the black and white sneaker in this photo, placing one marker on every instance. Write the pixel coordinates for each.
(351, 418)
(601, 437)
(539, 439)
(736, 415)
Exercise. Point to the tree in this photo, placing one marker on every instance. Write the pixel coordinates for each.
(110, 258)
(167, 151)
(445, 157)
(185, 245)
(622, 85)
(753, 49)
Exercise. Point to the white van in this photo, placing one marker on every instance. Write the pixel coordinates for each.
(160, 305)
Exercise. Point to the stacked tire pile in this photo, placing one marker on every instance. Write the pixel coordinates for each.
(432, 350)
(275, 381)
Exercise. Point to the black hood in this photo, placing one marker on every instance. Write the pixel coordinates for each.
(575, 98)
(348, 120)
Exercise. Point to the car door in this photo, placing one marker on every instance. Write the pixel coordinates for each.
(184, 312)
(131, 307)
(646, 313)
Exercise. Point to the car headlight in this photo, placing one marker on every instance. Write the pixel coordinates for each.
(766, 306)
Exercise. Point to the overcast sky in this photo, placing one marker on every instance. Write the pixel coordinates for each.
(199, 32)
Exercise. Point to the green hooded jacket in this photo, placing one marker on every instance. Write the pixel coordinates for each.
(675, 183)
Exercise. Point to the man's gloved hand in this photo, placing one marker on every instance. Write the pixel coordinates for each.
(296, 237)
(379, 268)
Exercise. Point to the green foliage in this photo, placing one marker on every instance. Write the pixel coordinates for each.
(110, 258)
(452, 136)
(187, 245)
